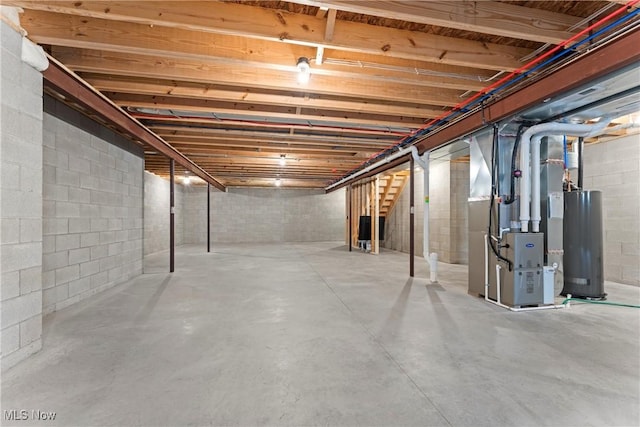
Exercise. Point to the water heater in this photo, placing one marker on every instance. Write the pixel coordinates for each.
(583, 247)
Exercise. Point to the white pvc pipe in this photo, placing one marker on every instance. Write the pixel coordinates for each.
(498, 283)
(431, 258)
(535, 183)
(433, 267)
(532, 173)
(396, 155)
(525, 188)
(486, 266)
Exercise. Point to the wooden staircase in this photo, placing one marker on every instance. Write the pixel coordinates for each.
(391, 187)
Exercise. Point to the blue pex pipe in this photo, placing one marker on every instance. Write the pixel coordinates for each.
(411, 138)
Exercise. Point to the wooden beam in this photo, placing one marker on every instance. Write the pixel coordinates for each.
(331, 25)
(143, 86)
(188, 145)
(322, 12)
(207, 121)
(277, 25)
(319, 55)
(99, 34)
(273, 155)
(254, 112)
(489, 17)
(73, 88)
(285, 138)
(245, 76)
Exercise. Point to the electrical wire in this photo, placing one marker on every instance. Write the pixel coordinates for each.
(514, 156)
(494, 161)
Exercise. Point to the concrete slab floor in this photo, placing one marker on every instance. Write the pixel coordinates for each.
(308, 334)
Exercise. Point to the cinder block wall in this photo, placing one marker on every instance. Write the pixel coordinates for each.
(614, 168)
(195, 210)
(440, 192)
(156, 213)
(92, 208)
(448, 214)
(459, 185)
(20, 202)
(265, 215)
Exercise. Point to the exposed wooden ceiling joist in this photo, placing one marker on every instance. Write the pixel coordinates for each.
(487, 17)
(114, 63)
(96, 34)
(269, 24)
(225, 71)
(120, 84)
(305, 138)
(253, 112)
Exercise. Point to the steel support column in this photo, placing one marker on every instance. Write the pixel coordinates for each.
(350, 190)
(171, 216)
(208, 217)
(411, 217)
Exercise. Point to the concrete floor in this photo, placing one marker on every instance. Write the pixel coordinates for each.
(307, 334)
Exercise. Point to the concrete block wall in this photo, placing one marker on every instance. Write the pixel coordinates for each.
(92, 231)
(440, 211)
(265, 215)
(448, 214)
(195, 210)
(614, 168)
(20, 202)
(156, 213)
(459, 184)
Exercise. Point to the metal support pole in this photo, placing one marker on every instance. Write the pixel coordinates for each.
(208, 217)
(411, 217)
(375, 217)
(171, 216)
(350, 216)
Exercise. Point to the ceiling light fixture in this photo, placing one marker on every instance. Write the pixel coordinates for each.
(186, 180)
(278, 182)
(283, 160)
(304, 70)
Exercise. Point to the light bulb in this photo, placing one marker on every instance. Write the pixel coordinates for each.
(304, 71)
(282, 161)
(278, 182)
(186, 180)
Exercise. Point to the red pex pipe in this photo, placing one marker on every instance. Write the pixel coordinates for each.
(526, 66)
